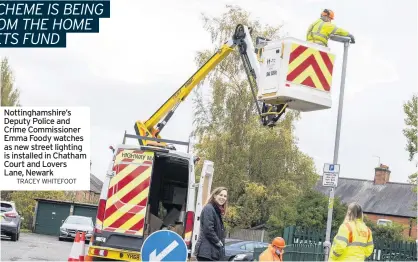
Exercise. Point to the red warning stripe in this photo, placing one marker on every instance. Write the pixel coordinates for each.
(125, 199)
(128, 178)
(138, 226)
(308, 81)
(295, 53)
(310, 61)
(327, 61)
(122, 220)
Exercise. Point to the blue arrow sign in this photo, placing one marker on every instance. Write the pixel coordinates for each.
(164, 245)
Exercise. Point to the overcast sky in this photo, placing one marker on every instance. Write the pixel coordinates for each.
(146, 50)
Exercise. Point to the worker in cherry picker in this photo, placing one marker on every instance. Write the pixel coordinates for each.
(274, 251)
(320, 30)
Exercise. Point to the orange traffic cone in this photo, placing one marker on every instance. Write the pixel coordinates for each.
(87, 257)
(75, 249)
(82, 246)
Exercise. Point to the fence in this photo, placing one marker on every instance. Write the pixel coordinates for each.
(249, 234)
(306, 245)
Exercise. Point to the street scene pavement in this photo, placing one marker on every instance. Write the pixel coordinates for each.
(35, 247)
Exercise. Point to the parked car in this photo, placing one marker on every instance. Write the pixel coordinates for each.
(241, 250)
(10, 219)
(76, 223)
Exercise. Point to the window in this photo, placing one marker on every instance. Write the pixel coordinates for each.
(79, 220)
(384, 222)
(262, 245)
(6, 207)
(249, 247)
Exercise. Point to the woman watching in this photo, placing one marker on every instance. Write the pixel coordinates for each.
(210, 245)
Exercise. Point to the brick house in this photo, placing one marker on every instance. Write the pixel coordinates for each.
(92, 196)
(381, 200)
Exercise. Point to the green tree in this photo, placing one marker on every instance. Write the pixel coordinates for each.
(9, 93)
(411, 132)
(312, 211)
(411, 120)
(390, 232)
(263, 168)
(25, 203)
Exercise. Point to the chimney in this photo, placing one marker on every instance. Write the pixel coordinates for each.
(381, 175)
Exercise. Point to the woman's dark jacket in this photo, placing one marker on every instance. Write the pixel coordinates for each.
(212, 231)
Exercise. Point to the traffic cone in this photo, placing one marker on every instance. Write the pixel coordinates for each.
(75, 249)
(82, 246)
(87, 257)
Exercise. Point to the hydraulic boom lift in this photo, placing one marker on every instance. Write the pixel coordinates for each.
(274, 58)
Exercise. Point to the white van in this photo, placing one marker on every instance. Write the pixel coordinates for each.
(147, 188)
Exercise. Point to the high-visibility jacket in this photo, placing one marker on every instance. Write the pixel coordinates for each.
(319, 32)
(270, 255)
(353, 242)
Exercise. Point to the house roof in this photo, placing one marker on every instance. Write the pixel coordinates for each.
(95, 184)
(396, 199)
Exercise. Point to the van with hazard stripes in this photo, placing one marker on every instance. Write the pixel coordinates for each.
(148, 188)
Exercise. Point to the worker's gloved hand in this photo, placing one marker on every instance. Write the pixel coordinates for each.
(352, 38)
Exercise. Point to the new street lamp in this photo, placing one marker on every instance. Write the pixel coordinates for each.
(346, 42)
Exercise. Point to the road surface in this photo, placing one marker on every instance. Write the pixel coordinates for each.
(34, 247)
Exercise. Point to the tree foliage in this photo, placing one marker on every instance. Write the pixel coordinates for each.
(263, 168)
(9, 93)
(411, 132)
(411, 120)
(312, 210)
(9, 97)
(392, 232)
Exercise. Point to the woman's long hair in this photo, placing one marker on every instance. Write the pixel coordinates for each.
(216, 192)
(354, 212)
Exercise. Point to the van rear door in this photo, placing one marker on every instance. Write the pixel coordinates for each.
(128, 192)
(205, 185)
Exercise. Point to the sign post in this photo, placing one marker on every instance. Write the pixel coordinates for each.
(164, 245)
(330, 176)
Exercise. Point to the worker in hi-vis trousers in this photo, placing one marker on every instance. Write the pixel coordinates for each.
(354, 240)
(320, 30)
(274, 251)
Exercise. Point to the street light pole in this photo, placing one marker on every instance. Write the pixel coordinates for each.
(346, 41)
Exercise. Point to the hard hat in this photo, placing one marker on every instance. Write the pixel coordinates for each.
(329, 13)
(278, 242)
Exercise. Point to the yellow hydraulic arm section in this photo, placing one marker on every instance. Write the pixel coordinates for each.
(153, 126)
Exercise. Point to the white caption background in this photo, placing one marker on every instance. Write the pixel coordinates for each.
(35, 159)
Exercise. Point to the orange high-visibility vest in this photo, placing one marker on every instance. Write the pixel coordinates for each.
(270, 255)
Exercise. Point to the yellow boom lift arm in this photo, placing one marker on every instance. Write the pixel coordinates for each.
(277, 92)
(154, 125)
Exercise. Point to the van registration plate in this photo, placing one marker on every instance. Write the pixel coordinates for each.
(130, 256)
